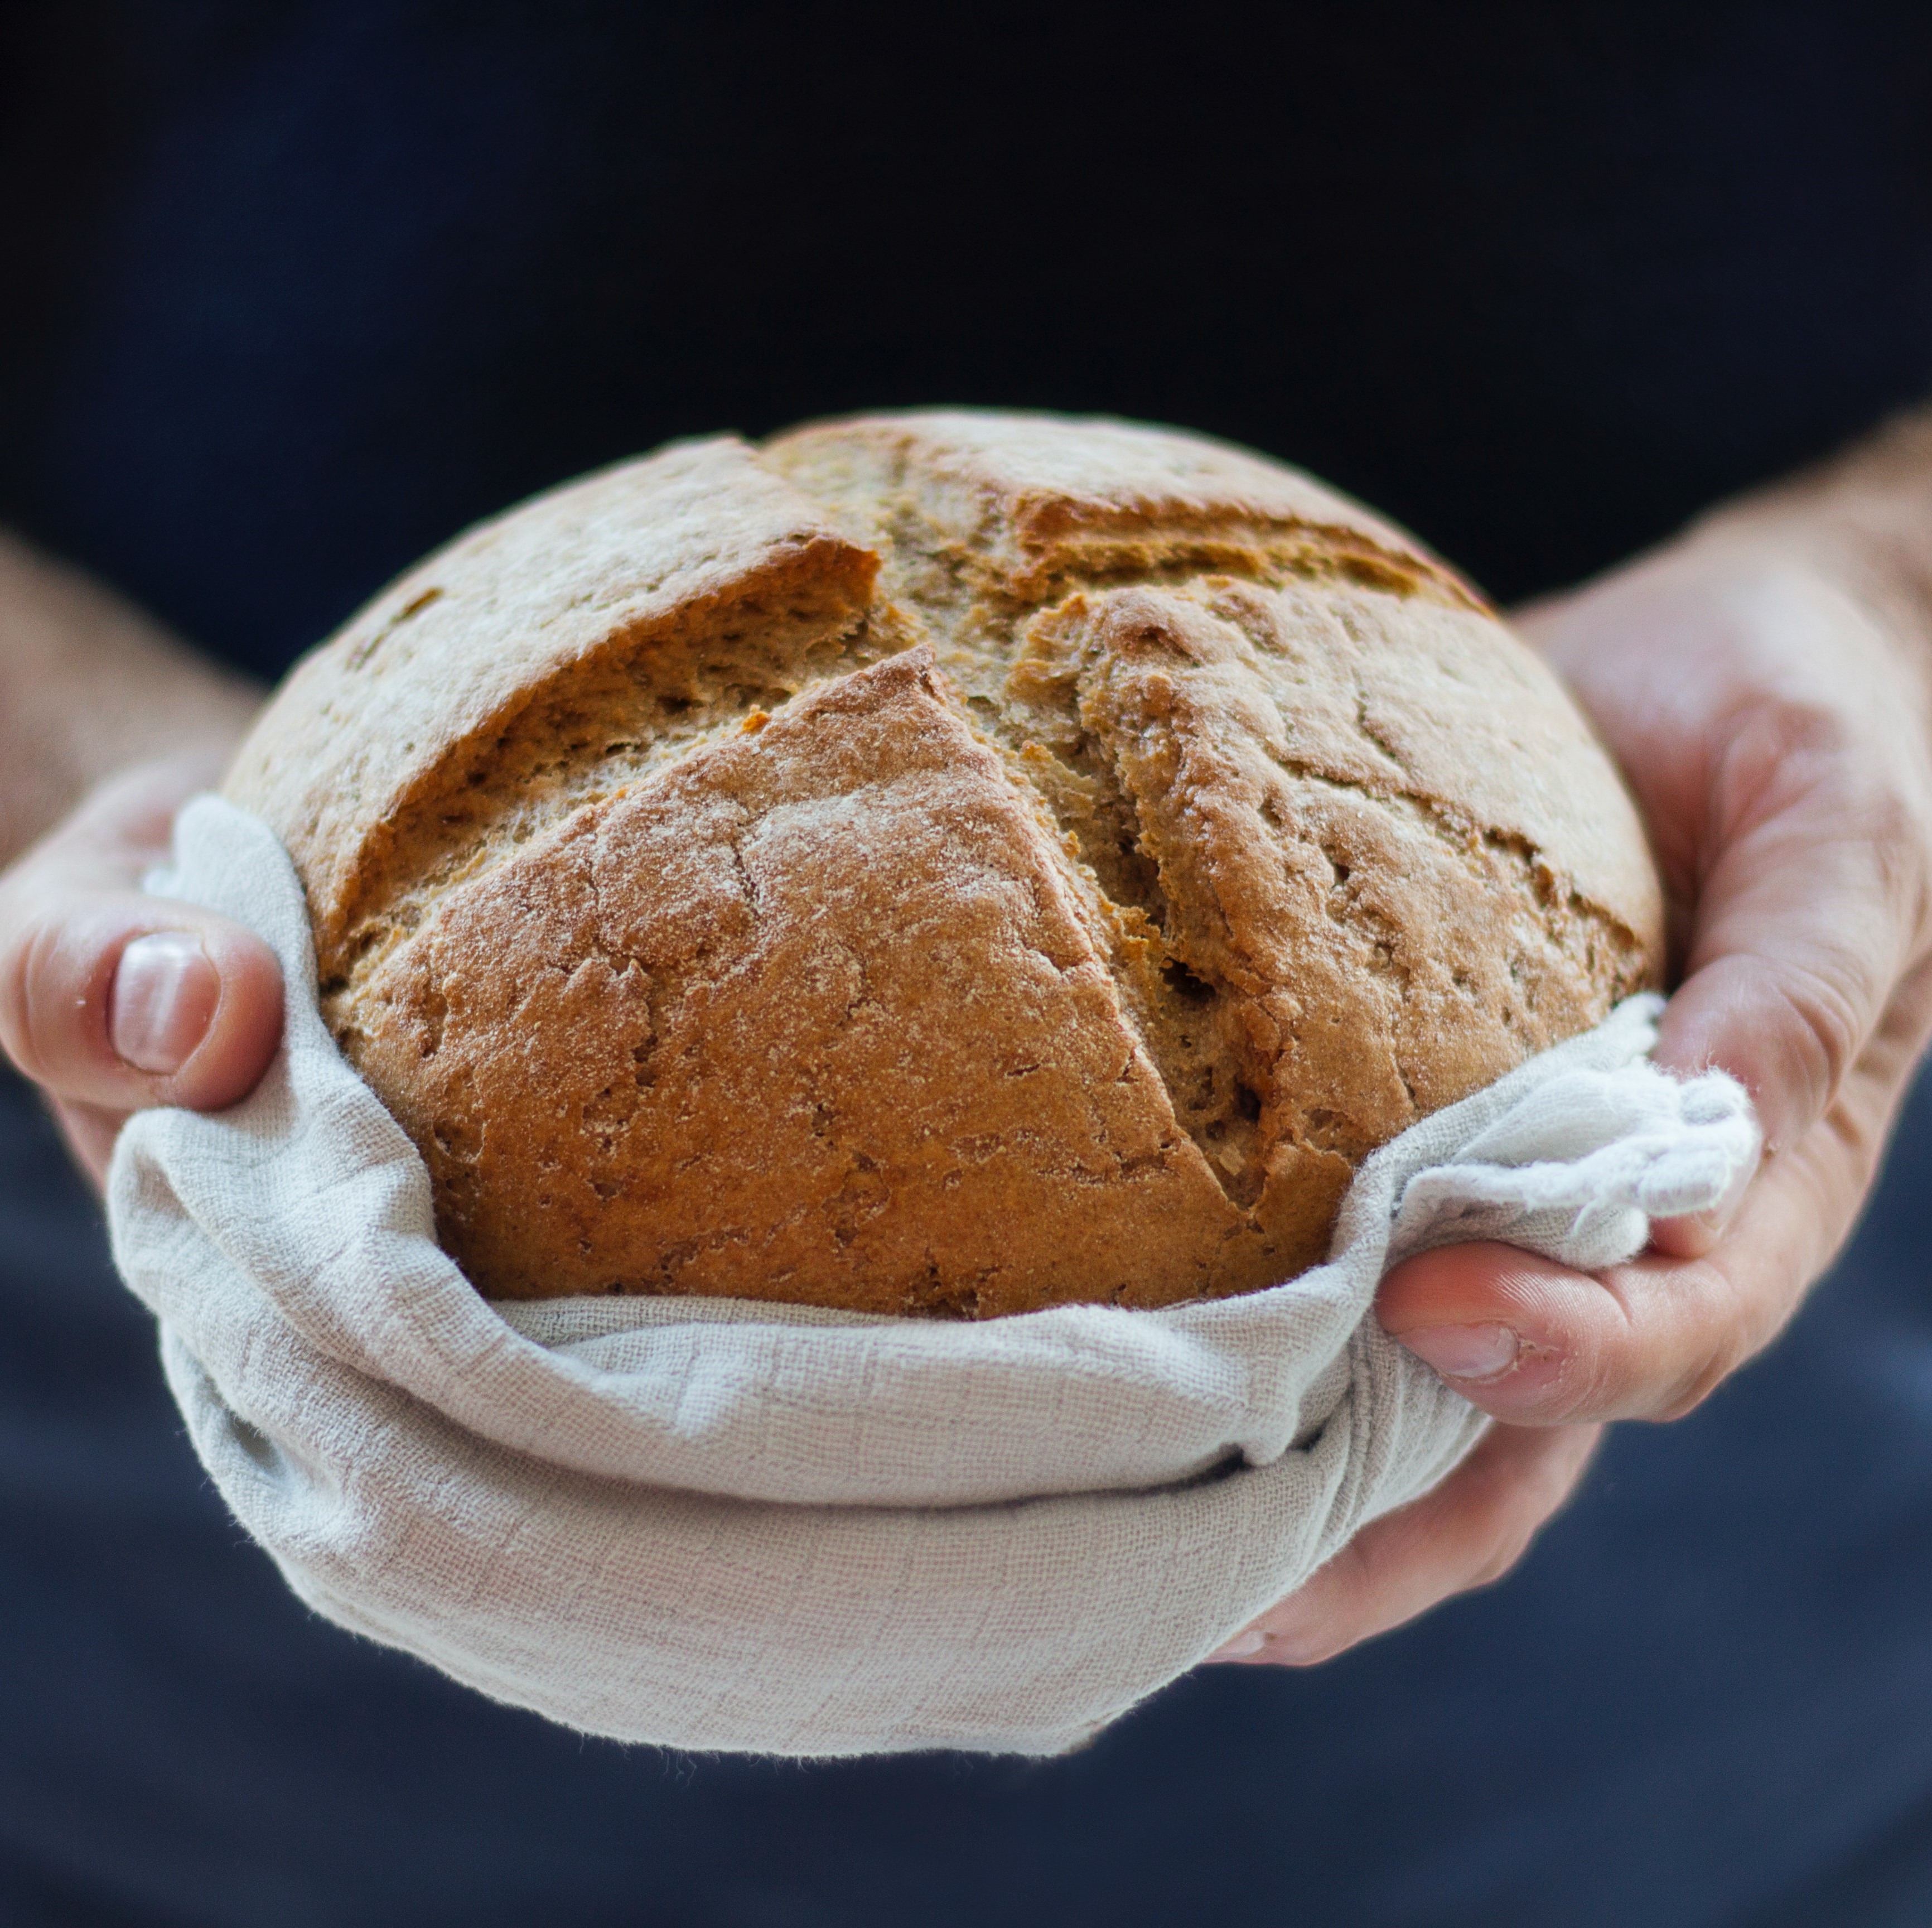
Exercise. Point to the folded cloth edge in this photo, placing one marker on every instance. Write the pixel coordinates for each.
(739, 1530)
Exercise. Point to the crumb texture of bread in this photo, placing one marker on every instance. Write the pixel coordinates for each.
(948, 863)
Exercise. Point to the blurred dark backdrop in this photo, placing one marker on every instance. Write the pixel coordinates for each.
(288, 293)
(297, 291)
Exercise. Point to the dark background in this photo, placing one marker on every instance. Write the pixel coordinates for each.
(298, 291)
(290, 294)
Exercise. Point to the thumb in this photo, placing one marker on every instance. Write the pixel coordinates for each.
(1776, 749)
(114, 1000)
(119, 1000)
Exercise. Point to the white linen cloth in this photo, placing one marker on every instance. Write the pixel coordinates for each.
(722, 1525)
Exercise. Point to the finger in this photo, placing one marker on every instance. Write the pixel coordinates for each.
(1529, 1341)
(117, 1001)
(1757, 713)
(1469, 1533)
(114, 1000)
(120, 831)
(1804, 925)
(1533, 1342)
(1857, 1124)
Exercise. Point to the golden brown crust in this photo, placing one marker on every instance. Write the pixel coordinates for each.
(627, 607)
(825, 1009)
(1019, 506)
(1063, 917)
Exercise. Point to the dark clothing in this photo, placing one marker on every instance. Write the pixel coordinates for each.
(294, 292)
(310, 287)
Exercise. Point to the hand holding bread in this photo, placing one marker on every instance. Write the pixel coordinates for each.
(1763, 683)
(1794, 850)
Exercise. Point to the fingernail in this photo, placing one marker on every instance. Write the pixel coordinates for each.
(1241, 1647)
(164, 994)
(1465, 1352)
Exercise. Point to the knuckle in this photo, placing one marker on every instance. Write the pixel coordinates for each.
(1717, 1334)
(1589, 1380)
(1602, 1364)
(1819, 1020)
(56, 965)
(1516, 1511)
(28, 969)
(1818, 755)
(1659, 1346)
(1781, 748)
(1692, 1389)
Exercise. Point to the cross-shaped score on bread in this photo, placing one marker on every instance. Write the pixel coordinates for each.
(941, 863)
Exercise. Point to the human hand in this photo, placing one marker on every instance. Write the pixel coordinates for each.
(111, 1000)
(1776, 739)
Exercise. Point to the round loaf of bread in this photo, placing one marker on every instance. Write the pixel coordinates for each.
(946, 863)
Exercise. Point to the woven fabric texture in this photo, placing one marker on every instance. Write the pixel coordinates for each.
(724, 1525)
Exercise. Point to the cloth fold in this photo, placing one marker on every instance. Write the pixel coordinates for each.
(724, 1525)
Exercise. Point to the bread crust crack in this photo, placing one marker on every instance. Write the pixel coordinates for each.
(939, 864)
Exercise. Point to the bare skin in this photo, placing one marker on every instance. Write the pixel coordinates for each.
(107, 724)
(1764, 681)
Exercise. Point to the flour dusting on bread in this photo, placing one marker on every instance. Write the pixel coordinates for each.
(945, 862)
